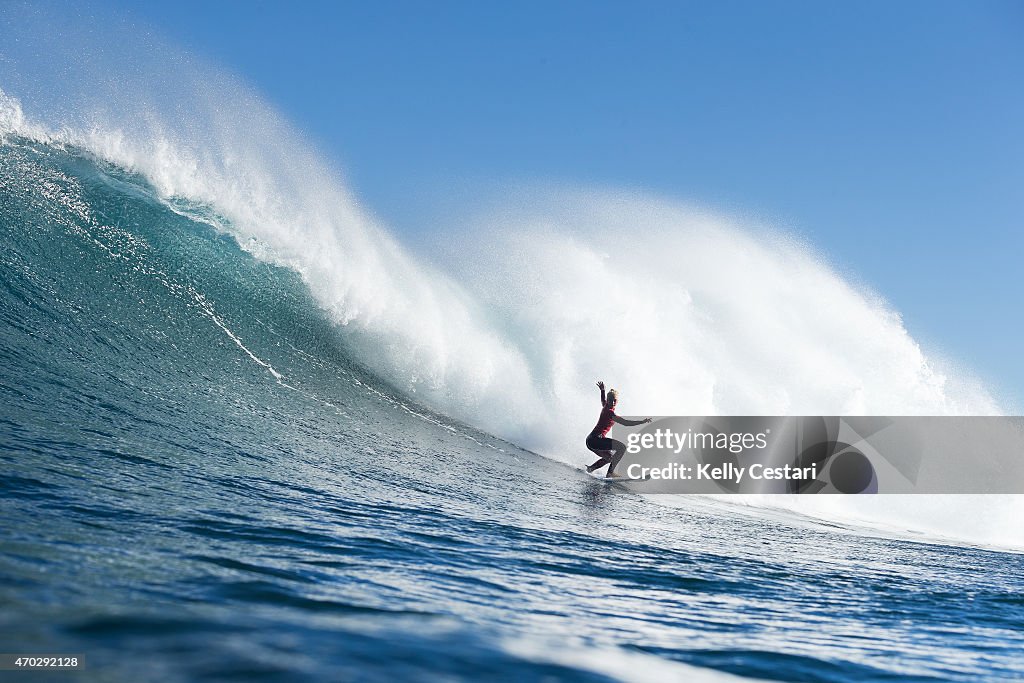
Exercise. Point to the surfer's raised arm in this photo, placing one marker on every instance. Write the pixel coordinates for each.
(631, 423)
(600, 385)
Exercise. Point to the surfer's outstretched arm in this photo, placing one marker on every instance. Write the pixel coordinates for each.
(631, 423)
(600, 386)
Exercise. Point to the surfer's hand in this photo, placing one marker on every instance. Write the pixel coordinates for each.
(600, 385)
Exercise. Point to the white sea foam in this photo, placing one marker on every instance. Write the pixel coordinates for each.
(688, 312)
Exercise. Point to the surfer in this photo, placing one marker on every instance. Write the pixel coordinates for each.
(608, 450)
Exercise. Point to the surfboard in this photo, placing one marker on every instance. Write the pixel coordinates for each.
(616, 479)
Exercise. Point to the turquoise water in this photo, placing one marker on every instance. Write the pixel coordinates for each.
(200, 483)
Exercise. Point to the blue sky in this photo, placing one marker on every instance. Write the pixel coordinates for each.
(889, 134)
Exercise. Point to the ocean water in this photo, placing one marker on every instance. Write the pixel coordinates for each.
(204, 480)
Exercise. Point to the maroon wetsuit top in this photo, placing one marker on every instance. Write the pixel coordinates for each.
(605, 422)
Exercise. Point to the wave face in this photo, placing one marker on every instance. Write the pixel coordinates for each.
(240, 415)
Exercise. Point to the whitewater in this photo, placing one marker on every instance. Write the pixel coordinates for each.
(243, 416)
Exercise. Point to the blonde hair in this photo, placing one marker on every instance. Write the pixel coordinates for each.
(613, 396)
